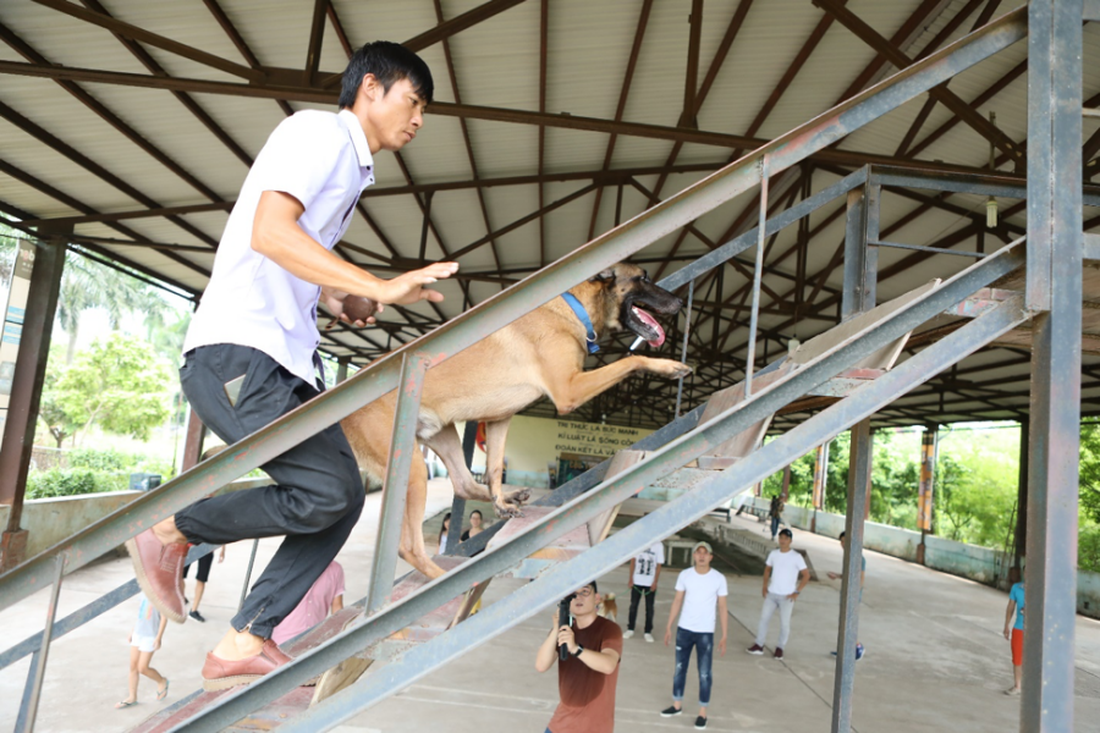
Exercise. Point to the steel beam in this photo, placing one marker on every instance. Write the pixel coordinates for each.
(26, 390)
(616, 549)
(1054, 257)
(504, 307)
(929, 455)
(402, 447)
(672, 456)
(859, 484)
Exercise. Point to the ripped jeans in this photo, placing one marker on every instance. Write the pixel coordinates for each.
(704, 654)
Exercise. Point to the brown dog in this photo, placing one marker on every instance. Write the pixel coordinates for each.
(539, 355)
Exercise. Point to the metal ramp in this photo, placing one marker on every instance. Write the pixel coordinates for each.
(724, 445)
(553, 546)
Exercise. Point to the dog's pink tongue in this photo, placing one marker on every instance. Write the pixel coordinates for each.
(652, 323)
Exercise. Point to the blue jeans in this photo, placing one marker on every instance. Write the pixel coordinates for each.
(775, 526)
(704, 646)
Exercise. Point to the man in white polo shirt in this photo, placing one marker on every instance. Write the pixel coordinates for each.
(701, 592)
(785, 575)
(251, 349)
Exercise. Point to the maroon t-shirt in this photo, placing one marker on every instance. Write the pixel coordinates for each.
(587, 696)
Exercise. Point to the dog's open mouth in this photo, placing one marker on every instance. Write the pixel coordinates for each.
(646, 326)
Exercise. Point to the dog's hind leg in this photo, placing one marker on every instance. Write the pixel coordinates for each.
(411, 548)
(446, 445)
(496, 435)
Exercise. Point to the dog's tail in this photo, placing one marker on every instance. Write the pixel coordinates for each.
(609, 597)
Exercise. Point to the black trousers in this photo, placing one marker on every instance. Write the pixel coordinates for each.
(636, 592)
(318, 495)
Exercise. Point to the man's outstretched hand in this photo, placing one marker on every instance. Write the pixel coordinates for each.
(411, 287)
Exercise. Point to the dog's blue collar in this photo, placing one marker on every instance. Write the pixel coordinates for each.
(582, 314)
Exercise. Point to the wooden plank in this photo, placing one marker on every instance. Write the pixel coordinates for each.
(885, 357)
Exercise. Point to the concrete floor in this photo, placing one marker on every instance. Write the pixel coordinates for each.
(936, 660)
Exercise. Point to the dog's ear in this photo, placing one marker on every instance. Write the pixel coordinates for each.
(605, 276)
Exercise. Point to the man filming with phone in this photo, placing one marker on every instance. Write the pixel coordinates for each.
(589, 649)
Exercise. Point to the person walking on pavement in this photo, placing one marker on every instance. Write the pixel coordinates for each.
(1014, 618)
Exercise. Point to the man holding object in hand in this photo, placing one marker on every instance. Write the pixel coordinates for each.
(588, 675)
(251, 350)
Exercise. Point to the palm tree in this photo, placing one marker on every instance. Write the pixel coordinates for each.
(87, 284)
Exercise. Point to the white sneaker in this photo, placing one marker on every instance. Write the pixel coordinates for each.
(649, 638)
(628, 633)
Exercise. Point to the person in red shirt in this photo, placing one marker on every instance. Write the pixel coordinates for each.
(587, 679)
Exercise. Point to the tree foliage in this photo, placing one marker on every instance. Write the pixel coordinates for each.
(118, 384)
(87, 283)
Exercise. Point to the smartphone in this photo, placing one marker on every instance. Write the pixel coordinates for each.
(233, 389)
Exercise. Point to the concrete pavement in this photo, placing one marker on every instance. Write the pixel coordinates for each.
(935, 660)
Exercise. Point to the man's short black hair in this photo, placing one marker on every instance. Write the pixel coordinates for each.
(389, 62)
(594, 588)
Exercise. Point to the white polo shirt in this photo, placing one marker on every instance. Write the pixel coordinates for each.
(323, 160)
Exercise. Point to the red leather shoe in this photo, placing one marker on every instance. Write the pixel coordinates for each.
(221, 674)
(159, 571)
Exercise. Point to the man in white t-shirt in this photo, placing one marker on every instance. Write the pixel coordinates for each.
(785, 575)
(645, 569)
(252, 345)
(701, 592)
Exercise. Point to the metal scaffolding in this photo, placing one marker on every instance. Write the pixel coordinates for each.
(1052, 302)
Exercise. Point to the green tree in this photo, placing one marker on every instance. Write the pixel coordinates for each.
(1089, 477)
(87, 284)
(118, 384)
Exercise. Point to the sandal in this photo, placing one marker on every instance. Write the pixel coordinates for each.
(161, 694)
(125, 704)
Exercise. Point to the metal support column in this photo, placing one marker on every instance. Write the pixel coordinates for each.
(26, 392)
(821, 478)
(860, 261)
(402, 446)
(1054, 251)
(192, 444)
(342, 368)
(929, 450)
(859, 481)
(1019, 547)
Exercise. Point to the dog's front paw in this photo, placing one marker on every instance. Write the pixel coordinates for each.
(517, 497)
(669, 368)
(507, 509)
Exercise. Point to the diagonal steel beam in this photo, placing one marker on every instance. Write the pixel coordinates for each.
(624, 90)
(658, 464)
(135, 33)
(506, 306)
(459, 23)
(949, 99)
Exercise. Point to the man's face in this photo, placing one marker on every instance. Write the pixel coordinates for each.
(702, 557)
(585, 601)
(394, 116)
(784, 542)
